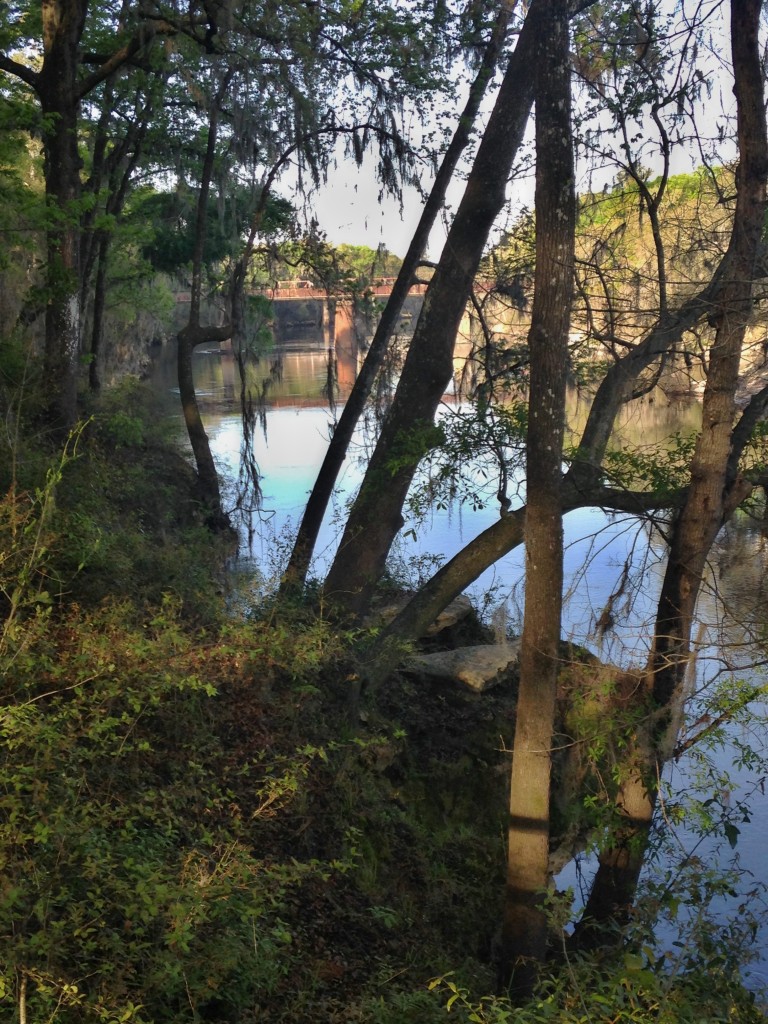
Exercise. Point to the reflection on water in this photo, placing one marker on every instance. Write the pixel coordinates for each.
(290, 379)
(613, 562)
(643, 424)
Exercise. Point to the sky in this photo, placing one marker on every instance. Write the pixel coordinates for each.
(350, 210)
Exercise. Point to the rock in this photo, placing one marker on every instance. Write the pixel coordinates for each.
(476, 668)
(452, 615)
(458, 610)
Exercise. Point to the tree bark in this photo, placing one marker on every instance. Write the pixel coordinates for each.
(306, 538)
(194, 334)
(408, 430)
(207, 475)
(99, 305)
(58, 92)
(714, 493)
(524, 929)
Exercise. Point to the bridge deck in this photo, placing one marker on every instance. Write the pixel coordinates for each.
(300, 290)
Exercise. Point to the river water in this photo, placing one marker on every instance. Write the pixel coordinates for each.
(609, 558)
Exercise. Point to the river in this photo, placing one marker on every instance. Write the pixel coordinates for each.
(601, 551)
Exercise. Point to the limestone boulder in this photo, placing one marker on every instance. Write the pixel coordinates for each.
(477, 668)
(456, 612)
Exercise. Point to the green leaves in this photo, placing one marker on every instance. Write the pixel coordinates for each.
(477, 458)
(130, 878)
(662, 470)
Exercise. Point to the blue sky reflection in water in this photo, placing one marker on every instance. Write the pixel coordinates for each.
(613, 563)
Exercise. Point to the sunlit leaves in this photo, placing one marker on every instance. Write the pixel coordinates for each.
(477, 462)
(661, 471)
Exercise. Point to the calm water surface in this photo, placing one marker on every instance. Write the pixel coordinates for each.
(605, 555)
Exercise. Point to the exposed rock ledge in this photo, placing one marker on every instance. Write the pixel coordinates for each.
(477, 668)
(454, 613)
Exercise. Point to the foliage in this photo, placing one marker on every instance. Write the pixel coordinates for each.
(755, 456)
(174, 805)
(370, 264)
(343, 270)
(25, 528)
(479, 458)
(660, 473)
(132, 885)
(617, 294)
(178, 791)
(633, 988)
(132, 889)
(169, 220)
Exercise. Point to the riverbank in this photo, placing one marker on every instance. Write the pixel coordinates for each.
(194, 830)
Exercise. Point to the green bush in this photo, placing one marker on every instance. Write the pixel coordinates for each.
(131, 886)
(132, 889)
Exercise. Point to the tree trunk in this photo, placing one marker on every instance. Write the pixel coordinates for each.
(714, 493)
(57, 89)
(524, 931)
(408, 430)
(99, 305)
(195, 334)
(207, 475)
(303, 548)
(114, 161)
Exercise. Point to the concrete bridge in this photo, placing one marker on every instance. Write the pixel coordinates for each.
(290, 291)
(302, 289)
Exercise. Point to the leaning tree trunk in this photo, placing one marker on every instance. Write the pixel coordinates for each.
(408, 431)
(195, 334)
(524, 930)
(715, 491)
(306, 538)
(207, 475)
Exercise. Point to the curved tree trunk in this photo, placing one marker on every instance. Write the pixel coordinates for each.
(524, 929)
(304, 545)
(408, 430)
(714, 493)
(195, 334)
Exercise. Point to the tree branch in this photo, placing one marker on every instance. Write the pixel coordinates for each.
(124, 55)
(13, 67)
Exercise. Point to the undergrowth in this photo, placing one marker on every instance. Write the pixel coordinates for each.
(189, 829)
(193, 828)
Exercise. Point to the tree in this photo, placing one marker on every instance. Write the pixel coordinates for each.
(55, 34)
(313, 107)
(712, 298)
(301, 554)
(717, 487)
(408, 430)
(121, 129)
(636, 347)
(292, 100)
(525, 925)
